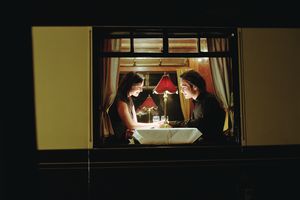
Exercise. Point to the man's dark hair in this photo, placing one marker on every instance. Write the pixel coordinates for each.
(195, 78)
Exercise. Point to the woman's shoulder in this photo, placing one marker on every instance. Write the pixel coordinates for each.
(117, 101)
(122, 98)
(123, 103)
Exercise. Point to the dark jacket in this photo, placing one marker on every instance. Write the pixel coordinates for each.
(208, 116)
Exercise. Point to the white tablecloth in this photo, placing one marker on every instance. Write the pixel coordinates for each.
(167, 135)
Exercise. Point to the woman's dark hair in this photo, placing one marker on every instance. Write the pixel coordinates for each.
(195, 78)
(127, 82)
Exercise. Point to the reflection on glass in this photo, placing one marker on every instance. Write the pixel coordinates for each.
(183, 45)
(203, 45)
(148, 45)
(156, 118)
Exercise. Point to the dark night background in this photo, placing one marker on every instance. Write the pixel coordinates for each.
(19, 177)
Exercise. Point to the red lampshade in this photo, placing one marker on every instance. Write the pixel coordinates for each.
(148, 103)
(165, 85)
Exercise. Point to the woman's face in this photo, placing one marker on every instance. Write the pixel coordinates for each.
(136, 89)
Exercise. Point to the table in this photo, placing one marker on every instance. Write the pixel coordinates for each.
(167, 135)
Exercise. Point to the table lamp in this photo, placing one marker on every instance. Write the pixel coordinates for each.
(148, 105)
(140, 112)
(165, 86)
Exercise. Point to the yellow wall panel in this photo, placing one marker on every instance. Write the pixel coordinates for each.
(62, 86)
(270, 75)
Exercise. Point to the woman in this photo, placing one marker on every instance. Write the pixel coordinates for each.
(122, 112)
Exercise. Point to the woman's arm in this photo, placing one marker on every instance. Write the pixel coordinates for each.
(134, 114)
(128, 121)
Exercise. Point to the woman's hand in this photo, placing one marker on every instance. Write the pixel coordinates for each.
(161, 123)
(157, 124)
(129, 133)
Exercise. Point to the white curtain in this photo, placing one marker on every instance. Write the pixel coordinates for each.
(108, 84)
(184, 103)
(221, 74)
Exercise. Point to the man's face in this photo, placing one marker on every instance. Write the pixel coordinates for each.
(186, 89)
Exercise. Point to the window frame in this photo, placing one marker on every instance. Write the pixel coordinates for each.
(101, 32)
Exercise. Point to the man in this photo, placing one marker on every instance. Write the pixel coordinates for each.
(208, 114)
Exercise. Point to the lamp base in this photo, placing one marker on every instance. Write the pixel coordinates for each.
(165, 125)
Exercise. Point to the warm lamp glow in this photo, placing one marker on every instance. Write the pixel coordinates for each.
(148, 105)
(140, 112)
(165, 86)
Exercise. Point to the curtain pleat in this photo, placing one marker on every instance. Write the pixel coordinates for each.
(184, 103)
(221, 69)
(109, 85)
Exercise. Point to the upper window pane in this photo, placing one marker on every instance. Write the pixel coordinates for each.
(148, 45)
(120, 33)
(154, 62)
(183, 45)
(116, 45)
(203, 45)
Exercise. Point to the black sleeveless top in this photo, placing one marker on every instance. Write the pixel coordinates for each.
(117, 123)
